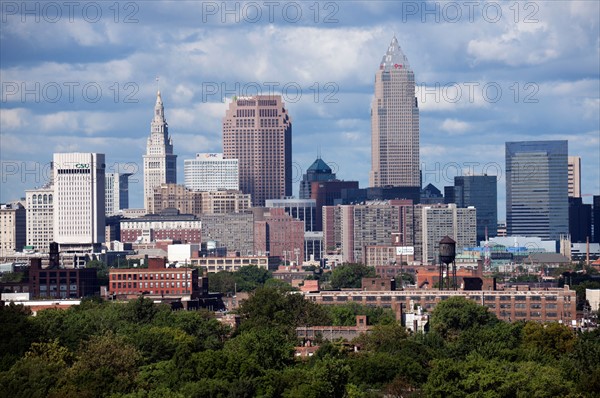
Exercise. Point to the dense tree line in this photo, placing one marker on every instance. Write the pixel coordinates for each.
(139, 349)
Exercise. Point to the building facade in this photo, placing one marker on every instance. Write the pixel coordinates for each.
(117, 192)
(79, 200)
(61, 282)
(326, 193)
(549, 305)
(580, 220)
(395, 123)
(39, 204)
(433, 222)
(258, 132)
(349, 229)
(13, 228)
(233, 231)
(278, 234)
(232, 264)
(210, 172)
(187, 201)
(160, 164)
(318, 171)
(304, 210)
(481, 193)
(185, 228)
(156, 280)
(537, 188)
(574, 176)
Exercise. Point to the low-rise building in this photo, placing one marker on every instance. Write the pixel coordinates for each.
(156, 280)
(54, 282)
(545, 305)
(232, 264)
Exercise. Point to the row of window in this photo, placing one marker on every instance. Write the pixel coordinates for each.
(145, 285)
(149, 276)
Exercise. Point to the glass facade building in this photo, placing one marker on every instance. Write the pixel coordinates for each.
(537, 189)
(481, 193)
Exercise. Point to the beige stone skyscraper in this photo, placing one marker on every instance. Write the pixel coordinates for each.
(574, 176)
(160, 164)
(394, 123)
(258, 132)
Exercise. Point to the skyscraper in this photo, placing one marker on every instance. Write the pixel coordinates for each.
(536, 189)
(210, 172)
(480, 192)
(258, 132)
(160, 164)
(117, 192)
(395, 123)
(79, 197)
(574, 164)
(40, 217)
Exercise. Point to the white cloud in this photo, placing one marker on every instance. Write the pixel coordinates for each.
(455, 127)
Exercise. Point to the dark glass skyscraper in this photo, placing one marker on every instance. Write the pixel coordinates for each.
(536, 189)
(480, 192)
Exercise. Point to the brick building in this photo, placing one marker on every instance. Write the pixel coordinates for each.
(549, 304)
(62, 282)
(156, 280)
(279, 234)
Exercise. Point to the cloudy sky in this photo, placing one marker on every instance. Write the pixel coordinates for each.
(82, 77)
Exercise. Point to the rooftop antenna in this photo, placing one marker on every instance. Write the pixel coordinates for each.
(157, 83)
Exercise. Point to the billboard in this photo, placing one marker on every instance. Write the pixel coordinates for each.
(405, 251)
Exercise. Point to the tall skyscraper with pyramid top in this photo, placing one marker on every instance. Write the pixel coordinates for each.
(394, 123)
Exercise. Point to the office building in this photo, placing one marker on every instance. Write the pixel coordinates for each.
(433, 222)
(580, 220)
(349, 229)
(187, 201)
(537, 189)
(160, 164)
(574, 176)
(431, 195)
(327, 193)
(481, 193)
(210, 172)
(79, 201)
(39, 204)
(318, 171)
(257, 131)
(232, 231)
(12, 228)
(169, 225)
(117, 192)
(304, 210)
(278, 234)
(596, 218)
(395, 124)
(359, 195)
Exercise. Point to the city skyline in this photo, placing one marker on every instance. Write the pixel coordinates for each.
(534, 59)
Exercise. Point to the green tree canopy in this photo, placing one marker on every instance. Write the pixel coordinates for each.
(350, 275)
(450, 317)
